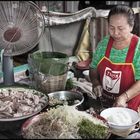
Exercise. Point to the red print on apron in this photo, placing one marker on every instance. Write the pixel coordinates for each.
(114, 76)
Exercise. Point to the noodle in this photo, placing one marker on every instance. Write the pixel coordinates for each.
(59, 123)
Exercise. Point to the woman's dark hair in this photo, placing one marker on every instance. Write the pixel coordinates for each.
(123, 10)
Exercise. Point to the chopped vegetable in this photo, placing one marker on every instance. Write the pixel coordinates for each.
(88, 130)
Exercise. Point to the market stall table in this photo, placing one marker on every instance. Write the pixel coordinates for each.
(12, 130)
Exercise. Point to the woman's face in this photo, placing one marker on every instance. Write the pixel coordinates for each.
(119, 28)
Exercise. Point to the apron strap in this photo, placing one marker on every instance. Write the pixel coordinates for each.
(109, 46)
(131, 51)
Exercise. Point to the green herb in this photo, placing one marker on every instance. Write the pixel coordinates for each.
(88, 130)
(69, 84)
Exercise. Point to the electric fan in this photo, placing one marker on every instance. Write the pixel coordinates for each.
(21, 26)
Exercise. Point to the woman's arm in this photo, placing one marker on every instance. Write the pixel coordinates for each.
(96, 86)
(133, 91)
(94, 77)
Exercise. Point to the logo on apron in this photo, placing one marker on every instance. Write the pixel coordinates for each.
(111, 80)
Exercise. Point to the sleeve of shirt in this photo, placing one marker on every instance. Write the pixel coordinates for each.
(136, 61)
(99, 52)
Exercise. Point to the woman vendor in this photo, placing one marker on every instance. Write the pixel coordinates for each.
(115, 66)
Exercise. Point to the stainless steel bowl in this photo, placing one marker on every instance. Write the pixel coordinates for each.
(65, 97)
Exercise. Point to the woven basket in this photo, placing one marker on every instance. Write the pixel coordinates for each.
(51, 83)
(48, 71)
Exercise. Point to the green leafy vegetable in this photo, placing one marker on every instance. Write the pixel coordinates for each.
(88, 130)
(69, 84)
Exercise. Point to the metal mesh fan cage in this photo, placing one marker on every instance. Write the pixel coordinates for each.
(21, 26)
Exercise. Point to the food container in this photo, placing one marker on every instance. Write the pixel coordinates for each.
(48, 71)
(18, 104)
(49, 63)
(65, 97)
(72, 124)
(120, 118)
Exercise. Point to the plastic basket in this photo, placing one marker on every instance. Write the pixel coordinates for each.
(50, 63)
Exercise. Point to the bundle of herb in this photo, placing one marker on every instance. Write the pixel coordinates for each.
(88, 130)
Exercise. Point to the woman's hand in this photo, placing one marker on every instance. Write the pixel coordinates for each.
(96, 86)
(97, 90)
(121, 101)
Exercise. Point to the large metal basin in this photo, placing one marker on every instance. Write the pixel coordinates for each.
(18, 103)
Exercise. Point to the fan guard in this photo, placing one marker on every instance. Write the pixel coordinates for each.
(21, 26)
